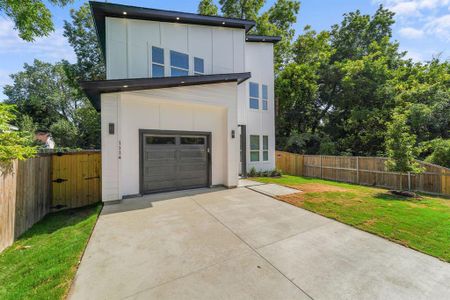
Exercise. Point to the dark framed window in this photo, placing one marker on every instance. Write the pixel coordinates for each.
(160, 140)
(192, 140)
(254, 148)
(199, 66)
(254, 95)
(265, 148)
(179, 64)
(157, 62)
(264, 97)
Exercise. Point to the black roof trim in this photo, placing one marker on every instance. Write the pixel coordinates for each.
(93, 89)
(262, 38)
(100, 10)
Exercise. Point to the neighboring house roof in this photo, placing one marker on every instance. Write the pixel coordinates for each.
(100, 10)
(94, 89)
(262, 38)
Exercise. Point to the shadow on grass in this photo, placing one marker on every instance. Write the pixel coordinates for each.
(55, 221)
(390, 197)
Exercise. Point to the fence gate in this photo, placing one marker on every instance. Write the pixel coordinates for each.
(76, 179)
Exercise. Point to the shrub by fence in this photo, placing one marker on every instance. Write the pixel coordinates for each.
(369, 171)
(37, 186)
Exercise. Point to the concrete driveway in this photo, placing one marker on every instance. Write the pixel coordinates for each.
(240, 244)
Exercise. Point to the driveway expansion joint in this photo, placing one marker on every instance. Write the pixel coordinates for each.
(254, 250)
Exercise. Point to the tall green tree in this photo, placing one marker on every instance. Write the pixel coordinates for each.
(44, 93)
(31, 17)
(400, 145)
(207, 8)
(80, 33)
(13, 144)
(242, 9)
(354, 65)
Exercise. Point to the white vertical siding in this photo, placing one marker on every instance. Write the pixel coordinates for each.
(208, 108)
(110, 146)
(116, 48)
(259, 61)
(222, 51)
(129, 42)
(200, 45)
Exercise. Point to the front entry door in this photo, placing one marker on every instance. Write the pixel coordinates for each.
(174, 161)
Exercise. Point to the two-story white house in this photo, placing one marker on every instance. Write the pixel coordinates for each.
(188, 100)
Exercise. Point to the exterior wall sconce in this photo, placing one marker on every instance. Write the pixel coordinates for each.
(111, 128)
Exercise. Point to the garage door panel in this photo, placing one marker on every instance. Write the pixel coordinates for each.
(158, 185)
(174, 162)
(160, 154)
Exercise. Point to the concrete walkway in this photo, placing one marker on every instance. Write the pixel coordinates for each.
(240, 244)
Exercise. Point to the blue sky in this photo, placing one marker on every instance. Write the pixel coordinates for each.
(422, 28)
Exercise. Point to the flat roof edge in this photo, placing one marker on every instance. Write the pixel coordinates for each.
(252, 38)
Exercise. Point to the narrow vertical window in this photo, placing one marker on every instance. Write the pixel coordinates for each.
(199, 66)
(254, 148)
(157, 62)
(179, 64)
(254, 95)
(264, 97)
(265, 148)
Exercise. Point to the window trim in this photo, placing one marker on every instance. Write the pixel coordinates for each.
(203, 65)
(257, 151)
(265, 101)
(178, 68)
(265, 147)
(157, 63)
(253, 98)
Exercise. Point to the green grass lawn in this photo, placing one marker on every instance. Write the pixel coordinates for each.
(43, 262)
(422, 224)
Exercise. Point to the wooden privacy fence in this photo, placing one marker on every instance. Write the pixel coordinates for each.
(37, 186)
(370, 171)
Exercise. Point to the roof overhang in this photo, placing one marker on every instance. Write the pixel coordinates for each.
(94, 89)
(262, 38)
(101, 10)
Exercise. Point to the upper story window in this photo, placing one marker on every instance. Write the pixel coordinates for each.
(199, 66)
(254, 95)
(264, 97)
(157, 62)
(179, 64)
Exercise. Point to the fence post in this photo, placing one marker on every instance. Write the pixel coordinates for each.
(409, 181)
(321, 169)
(357, 169)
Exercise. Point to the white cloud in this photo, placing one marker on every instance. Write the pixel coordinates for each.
(439, 27)
(412, 7)
(405, 8)
(415, 56)
(411, 33)
(52, 48)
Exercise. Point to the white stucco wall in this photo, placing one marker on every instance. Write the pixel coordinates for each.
(259, 61)
(129, 43)
(209, 108)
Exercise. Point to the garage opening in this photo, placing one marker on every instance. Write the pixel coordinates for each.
(174, 160)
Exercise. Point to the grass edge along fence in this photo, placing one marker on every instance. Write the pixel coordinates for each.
(369, 171)
(34, 187)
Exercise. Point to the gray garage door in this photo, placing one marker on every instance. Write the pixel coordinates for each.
(174, 162)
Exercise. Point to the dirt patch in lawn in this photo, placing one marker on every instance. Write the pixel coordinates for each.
(298, 198)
